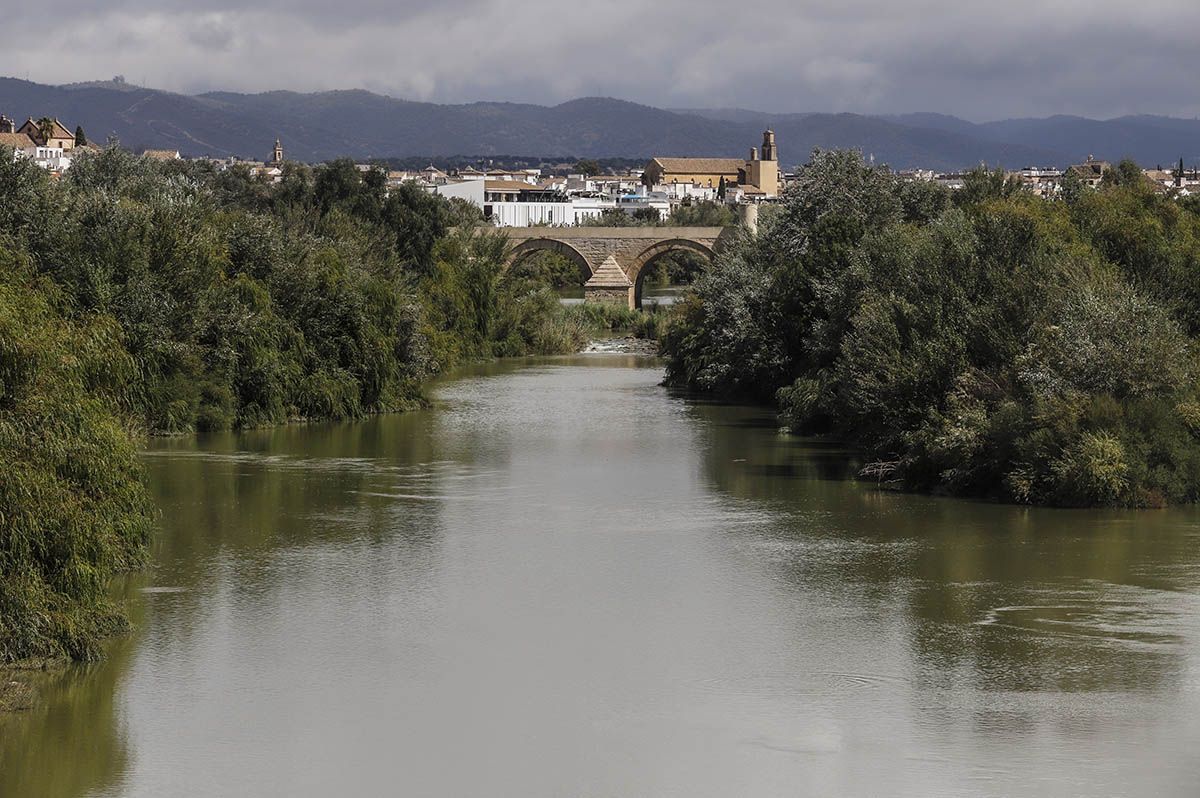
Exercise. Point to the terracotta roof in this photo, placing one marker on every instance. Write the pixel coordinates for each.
(701, 165)
(59, 132)
(1090, 168)
(507, 185)
(161, 155)
(18, 141)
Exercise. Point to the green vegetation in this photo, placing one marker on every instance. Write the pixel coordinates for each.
(615, 217)
(138, 296)
(588, 167)
(985, 344)
(648, 324)
(72, 505)
(680, 267)
(702, 213)
(548, 268)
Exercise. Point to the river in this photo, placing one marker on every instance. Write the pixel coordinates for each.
(560, 580)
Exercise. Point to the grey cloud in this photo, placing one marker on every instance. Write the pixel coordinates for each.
(214, 33)
(976, 59)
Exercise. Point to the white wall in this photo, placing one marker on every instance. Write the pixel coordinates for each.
(526, 214)
(470, 190)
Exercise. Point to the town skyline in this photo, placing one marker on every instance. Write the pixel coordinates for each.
(980, 63)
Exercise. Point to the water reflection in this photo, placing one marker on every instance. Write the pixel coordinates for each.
(561, 580)
(662, 295)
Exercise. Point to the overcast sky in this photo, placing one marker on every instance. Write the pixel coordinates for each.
(980, 60)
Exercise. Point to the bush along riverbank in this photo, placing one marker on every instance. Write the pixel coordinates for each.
(139, 297)
(73, 509)
(984, 343)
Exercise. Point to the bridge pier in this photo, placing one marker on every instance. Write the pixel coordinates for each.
(609, 285)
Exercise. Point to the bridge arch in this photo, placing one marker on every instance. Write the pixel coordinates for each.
(532, 246)
(636, 270)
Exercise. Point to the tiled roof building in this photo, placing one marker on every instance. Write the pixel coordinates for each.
(757, 176)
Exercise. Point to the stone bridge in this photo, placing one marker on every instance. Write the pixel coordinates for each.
(611, 260)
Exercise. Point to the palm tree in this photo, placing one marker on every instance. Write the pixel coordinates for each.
(45, 127)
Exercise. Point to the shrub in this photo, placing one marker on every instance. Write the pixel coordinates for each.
(1004, 347)
(72, 505)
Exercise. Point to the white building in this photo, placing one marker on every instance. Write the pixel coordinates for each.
(51, 158)
(656, 201)
(528, 214)
(679, 191)
(470, 190)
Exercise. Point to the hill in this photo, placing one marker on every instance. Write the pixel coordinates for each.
(361, 124)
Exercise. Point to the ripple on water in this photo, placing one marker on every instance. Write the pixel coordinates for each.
(1109, 621)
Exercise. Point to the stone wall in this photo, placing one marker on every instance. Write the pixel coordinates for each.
(627, 244)
(610, 296)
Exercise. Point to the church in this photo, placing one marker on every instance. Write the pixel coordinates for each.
(758, 176)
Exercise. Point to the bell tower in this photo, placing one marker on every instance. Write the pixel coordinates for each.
(277, 153)
(768, 147)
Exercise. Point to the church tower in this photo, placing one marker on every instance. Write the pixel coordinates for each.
(763, 172)
(768, 147)
(277, 154)
(768, 167)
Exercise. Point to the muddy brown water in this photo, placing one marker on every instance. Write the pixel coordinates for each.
(563, 581)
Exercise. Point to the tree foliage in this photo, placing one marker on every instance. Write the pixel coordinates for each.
(72, 506)
(171, 297)
(989, 344)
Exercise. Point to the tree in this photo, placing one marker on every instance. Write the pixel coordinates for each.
(80, 136)
(1127, 173)
(703, 214)
(75, 507)
(588, 167)
(1071, 188)
(982, 184)
(721, 188)
(1006, 348)
(610, 217)
(417, 220)
(45, 127)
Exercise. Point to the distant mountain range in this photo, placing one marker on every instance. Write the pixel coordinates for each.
(361, 125)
